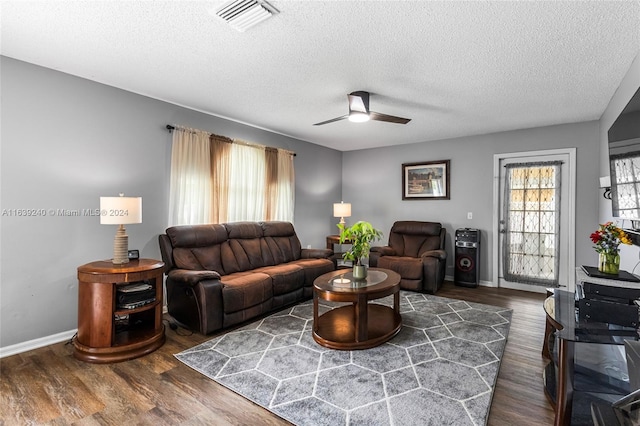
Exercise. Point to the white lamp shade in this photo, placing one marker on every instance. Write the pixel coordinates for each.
(605, 182)
(341, 210)
(120, 210)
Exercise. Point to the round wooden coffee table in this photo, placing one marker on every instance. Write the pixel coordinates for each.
(360, 325)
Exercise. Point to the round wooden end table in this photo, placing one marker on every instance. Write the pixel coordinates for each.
(101, 337)
(360, 325)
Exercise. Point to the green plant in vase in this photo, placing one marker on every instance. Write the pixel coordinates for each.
(607, 238)
(360, 235)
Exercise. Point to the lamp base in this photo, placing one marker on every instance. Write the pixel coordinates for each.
(121, 247)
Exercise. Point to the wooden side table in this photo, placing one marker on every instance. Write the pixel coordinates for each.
(337, 256)
(359, 324)
(335, 239)
(100, 339)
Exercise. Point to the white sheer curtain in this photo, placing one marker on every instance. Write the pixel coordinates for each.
(190, 186)
(247, 181)
(215, 179)
(286, 188)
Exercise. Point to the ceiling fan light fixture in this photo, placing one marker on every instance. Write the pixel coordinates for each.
(359, 111)
(358, 117)
(244, 14)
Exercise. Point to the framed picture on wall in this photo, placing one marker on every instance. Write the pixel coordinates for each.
(427, 180)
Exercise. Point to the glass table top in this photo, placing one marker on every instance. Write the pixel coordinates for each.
(562, 307)
(346, 280)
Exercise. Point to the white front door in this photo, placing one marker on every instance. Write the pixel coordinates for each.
(535, 236)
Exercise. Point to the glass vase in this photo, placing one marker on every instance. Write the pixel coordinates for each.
(609, 263)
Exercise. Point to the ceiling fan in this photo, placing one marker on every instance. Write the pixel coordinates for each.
(359, 111)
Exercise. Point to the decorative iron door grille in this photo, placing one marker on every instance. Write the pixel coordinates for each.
(532, 223)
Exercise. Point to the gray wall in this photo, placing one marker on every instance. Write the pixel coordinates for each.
(67, 141)
(629, 255)
(372, 183)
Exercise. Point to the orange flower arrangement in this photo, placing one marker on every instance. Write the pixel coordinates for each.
(608, 237)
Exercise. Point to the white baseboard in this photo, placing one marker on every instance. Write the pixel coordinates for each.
(36, 343)
(18, 348)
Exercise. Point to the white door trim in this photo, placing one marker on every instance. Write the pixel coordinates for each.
(571, 232)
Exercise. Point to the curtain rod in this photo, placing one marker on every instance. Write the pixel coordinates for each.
(171, 128)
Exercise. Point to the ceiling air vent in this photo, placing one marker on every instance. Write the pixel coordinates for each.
(244, 14)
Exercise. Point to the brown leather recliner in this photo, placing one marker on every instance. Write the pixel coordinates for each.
(416, 252)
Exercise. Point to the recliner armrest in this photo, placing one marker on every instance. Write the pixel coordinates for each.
(375, 253)
(192, 278)
(316, 253)
(384, 251)
(439, 254)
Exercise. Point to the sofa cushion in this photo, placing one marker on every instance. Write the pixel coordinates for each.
(197, 247)
(209, 257)
(243, 230)
(282, 242)
(286, 277)
(243, 290)
(277, 229)
(313, 268)
(243, 250)
(240, 255)
(196, 235)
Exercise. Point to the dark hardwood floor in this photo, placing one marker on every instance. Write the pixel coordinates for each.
(49, 386)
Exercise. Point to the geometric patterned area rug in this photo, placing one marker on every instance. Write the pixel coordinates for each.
(440, 369)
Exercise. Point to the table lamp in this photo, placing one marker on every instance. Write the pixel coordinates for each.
(342, 210)
(120, 211)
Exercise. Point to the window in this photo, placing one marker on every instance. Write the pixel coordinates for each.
(625, 194)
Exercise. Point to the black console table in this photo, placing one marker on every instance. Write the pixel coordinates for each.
(571, 320)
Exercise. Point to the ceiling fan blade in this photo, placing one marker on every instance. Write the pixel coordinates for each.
(388, 118)
(332, 120)
(359, 101)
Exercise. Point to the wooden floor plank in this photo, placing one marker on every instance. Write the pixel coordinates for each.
(27, 393)
(49, 386)
(70, 395)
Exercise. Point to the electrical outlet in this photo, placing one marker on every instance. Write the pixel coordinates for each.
(469, 215)
(308, 246)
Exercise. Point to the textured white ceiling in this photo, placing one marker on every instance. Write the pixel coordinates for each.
(455, 68)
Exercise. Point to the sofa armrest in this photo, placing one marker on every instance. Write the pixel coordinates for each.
(191, 278)
(316, 253)
(439, 254)
(196, 304)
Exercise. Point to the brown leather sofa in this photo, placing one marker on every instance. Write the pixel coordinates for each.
(416, 252)
(220, 275)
